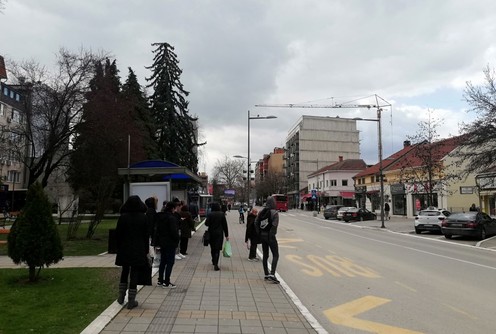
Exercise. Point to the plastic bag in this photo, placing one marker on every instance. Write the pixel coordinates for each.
(227, 250)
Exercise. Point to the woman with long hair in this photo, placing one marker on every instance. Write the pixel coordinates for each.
(217, 226)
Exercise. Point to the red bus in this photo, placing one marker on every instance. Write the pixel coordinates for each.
(281, 202)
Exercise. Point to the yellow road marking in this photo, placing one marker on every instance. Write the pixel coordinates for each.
(345, 315)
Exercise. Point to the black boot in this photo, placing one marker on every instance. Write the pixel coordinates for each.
(122, 293)
(131, 299)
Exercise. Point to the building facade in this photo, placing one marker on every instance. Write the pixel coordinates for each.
(315, 142)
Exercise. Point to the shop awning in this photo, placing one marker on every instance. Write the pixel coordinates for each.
(306, 196)
(347, 194)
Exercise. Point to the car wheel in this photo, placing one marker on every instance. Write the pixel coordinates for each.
(448, 236)
(418, 231)
(482, 234)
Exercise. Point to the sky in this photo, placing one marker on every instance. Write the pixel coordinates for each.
(416, 55)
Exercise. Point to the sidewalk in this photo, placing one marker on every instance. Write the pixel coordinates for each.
(235, 299)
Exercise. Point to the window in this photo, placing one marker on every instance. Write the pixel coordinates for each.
(344, 182)
(2, 109)
(5, 91)
(327, 183)
(334, 183)
(17, 97)
(372, 179)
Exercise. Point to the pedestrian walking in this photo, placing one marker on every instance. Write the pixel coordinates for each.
(241, 212)
(187, 226)
(252, 239)
(132, 239)
(386, 210)
(217, 226)
(176, 212)
(266, 224)
(168, 240)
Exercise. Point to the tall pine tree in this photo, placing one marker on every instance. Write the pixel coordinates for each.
(176, 133)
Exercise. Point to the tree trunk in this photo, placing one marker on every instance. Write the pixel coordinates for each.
(32, 273)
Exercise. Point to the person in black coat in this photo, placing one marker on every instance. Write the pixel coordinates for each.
(132, 247)
(187, 226)
(252, 238)
(217, 226)
(168, 240)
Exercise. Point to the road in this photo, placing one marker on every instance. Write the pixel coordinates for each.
(363, 280)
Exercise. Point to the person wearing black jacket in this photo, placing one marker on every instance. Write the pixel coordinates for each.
(168, 240)
(217, 226)
(132, 247)
(187, 226)
(252, 238)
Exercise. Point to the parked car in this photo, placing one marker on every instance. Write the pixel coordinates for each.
(358, 214)
(342, 210)
(430, 219)
(472, 224)
(331, 211)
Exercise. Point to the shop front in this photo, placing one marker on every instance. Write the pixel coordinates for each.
(398, 195)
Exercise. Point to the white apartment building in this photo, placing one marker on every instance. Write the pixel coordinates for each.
(315, 142)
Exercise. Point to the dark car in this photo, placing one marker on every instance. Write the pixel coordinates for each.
(471, 224)
(358, 214)
(331, 211)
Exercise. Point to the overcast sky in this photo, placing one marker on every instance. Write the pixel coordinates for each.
(417, 55)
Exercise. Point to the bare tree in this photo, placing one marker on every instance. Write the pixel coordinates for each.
(424, 168)
(229, 172)
(478, 148)
(272, 183)
(53, 104)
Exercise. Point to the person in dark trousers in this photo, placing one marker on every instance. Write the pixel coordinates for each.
(168, 240)
(193, 209)
(386, 210)
(132, 247)
(252, 238)
(187, 226)
(217, 226)
(267, 223)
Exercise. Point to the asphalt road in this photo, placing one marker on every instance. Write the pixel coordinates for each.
(359, 278)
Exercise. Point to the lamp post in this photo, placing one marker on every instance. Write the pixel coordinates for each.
(379, 146)
(248, 159)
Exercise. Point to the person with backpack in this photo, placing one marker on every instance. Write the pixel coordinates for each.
(266, 224)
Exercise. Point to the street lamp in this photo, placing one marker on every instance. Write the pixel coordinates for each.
(248, 158)
(379, 144)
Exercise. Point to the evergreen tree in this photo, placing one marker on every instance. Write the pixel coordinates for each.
(137, 104)
(34, 238)
(101, 145)
(176, 131)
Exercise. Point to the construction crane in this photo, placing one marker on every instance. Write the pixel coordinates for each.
(379, 105)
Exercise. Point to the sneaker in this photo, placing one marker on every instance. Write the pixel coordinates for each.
(178, 257)
(159, 283)
(182, 255)
(266, 278)
(273, 279)
(216, 268)
(169, 286)
(253, 259)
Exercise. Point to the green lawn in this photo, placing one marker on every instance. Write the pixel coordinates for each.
(64, 300)
(80, 246)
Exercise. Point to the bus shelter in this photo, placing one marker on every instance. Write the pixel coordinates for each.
(164, 179)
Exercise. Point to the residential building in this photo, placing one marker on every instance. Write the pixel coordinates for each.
(12, 171)
(314, 142)
(334, 184)
(412, 182)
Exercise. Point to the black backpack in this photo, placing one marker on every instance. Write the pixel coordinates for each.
(264, 220)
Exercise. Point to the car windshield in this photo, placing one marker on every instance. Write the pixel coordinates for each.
(463, 216)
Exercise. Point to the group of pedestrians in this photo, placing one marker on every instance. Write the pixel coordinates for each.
(142, 231)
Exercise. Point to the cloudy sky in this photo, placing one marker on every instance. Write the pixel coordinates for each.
(417, 55)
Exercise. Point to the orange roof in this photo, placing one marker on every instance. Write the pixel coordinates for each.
(439, 150)
(348, 164)
(373, 170)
